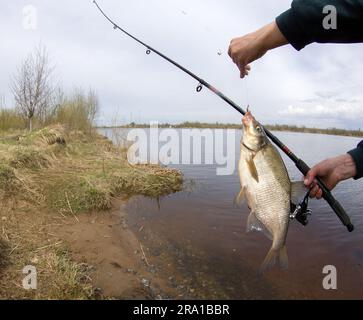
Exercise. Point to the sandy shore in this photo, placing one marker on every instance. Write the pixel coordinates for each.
(118, 264)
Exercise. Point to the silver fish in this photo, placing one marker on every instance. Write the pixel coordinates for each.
(266, 186)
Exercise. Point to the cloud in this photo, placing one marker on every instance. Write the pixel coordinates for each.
(326, 94)
(310, 100)
(88, 52)
(341, 112)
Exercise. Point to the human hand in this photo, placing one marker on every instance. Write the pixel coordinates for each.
(253, 46)
(331, 171)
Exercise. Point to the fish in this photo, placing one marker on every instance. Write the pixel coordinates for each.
(267, 189)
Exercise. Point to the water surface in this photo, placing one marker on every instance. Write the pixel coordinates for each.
(209, 231)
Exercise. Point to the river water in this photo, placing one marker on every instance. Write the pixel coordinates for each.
(207, 231)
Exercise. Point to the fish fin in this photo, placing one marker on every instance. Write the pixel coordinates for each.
(239, 198)
(252, 168)
(298, 191)
(273, 256)
(270, 260)
(254, 224)
(283, 259)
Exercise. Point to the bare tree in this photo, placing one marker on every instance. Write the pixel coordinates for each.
(58, 100)
(93, 105)
(32, 87)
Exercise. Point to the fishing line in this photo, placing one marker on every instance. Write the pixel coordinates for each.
(194, 21)
(299, 163)
(245, 86)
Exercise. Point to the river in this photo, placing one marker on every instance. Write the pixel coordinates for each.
(205, 233)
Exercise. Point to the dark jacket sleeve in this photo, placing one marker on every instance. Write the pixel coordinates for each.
(302, 24)
(357, 155)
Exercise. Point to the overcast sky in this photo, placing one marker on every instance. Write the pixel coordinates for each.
(319, 86)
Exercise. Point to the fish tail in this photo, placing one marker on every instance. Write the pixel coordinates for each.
(283, 259)
(272, 257)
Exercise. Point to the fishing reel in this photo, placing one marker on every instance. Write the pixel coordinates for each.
(301, 212)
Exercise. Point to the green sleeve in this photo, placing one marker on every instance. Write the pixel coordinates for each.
(357, 155)
(302, 24)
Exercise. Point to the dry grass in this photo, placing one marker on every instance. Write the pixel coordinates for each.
(10, 119)
(8, 180)
(4, 250)
(47, 175)
(102, 173)
(147, 180)
(27, 239)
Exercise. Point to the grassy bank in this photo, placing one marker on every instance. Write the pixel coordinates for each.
(51, 174)
(289, 128)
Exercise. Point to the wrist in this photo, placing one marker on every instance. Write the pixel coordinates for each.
(346, 167)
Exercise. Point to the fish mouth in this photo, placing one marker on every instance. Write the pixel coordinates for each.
(248, 119)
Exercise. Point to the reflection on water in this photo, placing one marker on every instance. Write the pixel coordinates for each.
(207, 221)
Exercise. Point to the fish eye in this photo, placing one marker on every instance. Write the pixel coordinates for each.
(258, 128)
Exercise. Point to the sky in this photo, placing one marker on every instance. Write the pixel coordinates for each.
(319, 86)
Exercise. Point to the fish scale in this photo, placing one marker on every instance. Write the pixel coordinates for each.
(266, 185)
(272, 204)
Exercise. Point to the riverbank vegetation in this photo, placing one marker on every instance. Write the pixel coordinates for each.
(277, 127)
(49, 175)
(54, 166)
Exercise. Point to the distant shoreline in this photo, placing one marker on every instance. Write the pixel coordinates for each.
(288, 128)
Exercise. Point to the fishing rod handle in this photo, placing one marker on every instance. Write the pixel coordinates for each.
(327, 195)
(338, 209)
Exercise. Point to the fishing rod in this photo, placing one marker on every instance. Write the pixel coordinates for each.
(300, 164)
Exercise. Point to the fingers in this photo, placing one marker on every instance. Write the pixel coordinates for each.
(321, 170)
(244, 73)
(316, 192)
(238, 57)
(311, 182)
(310, 176)
(230, 50)
(246, 49)
(244, 70)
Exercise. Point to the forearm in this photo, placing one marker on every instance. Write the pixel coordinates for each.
(270, 37)
(303, 23)
(357, 155)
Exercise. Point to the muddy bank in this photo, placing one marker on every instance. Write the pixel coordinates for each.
(127, 259)
(116, 259)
